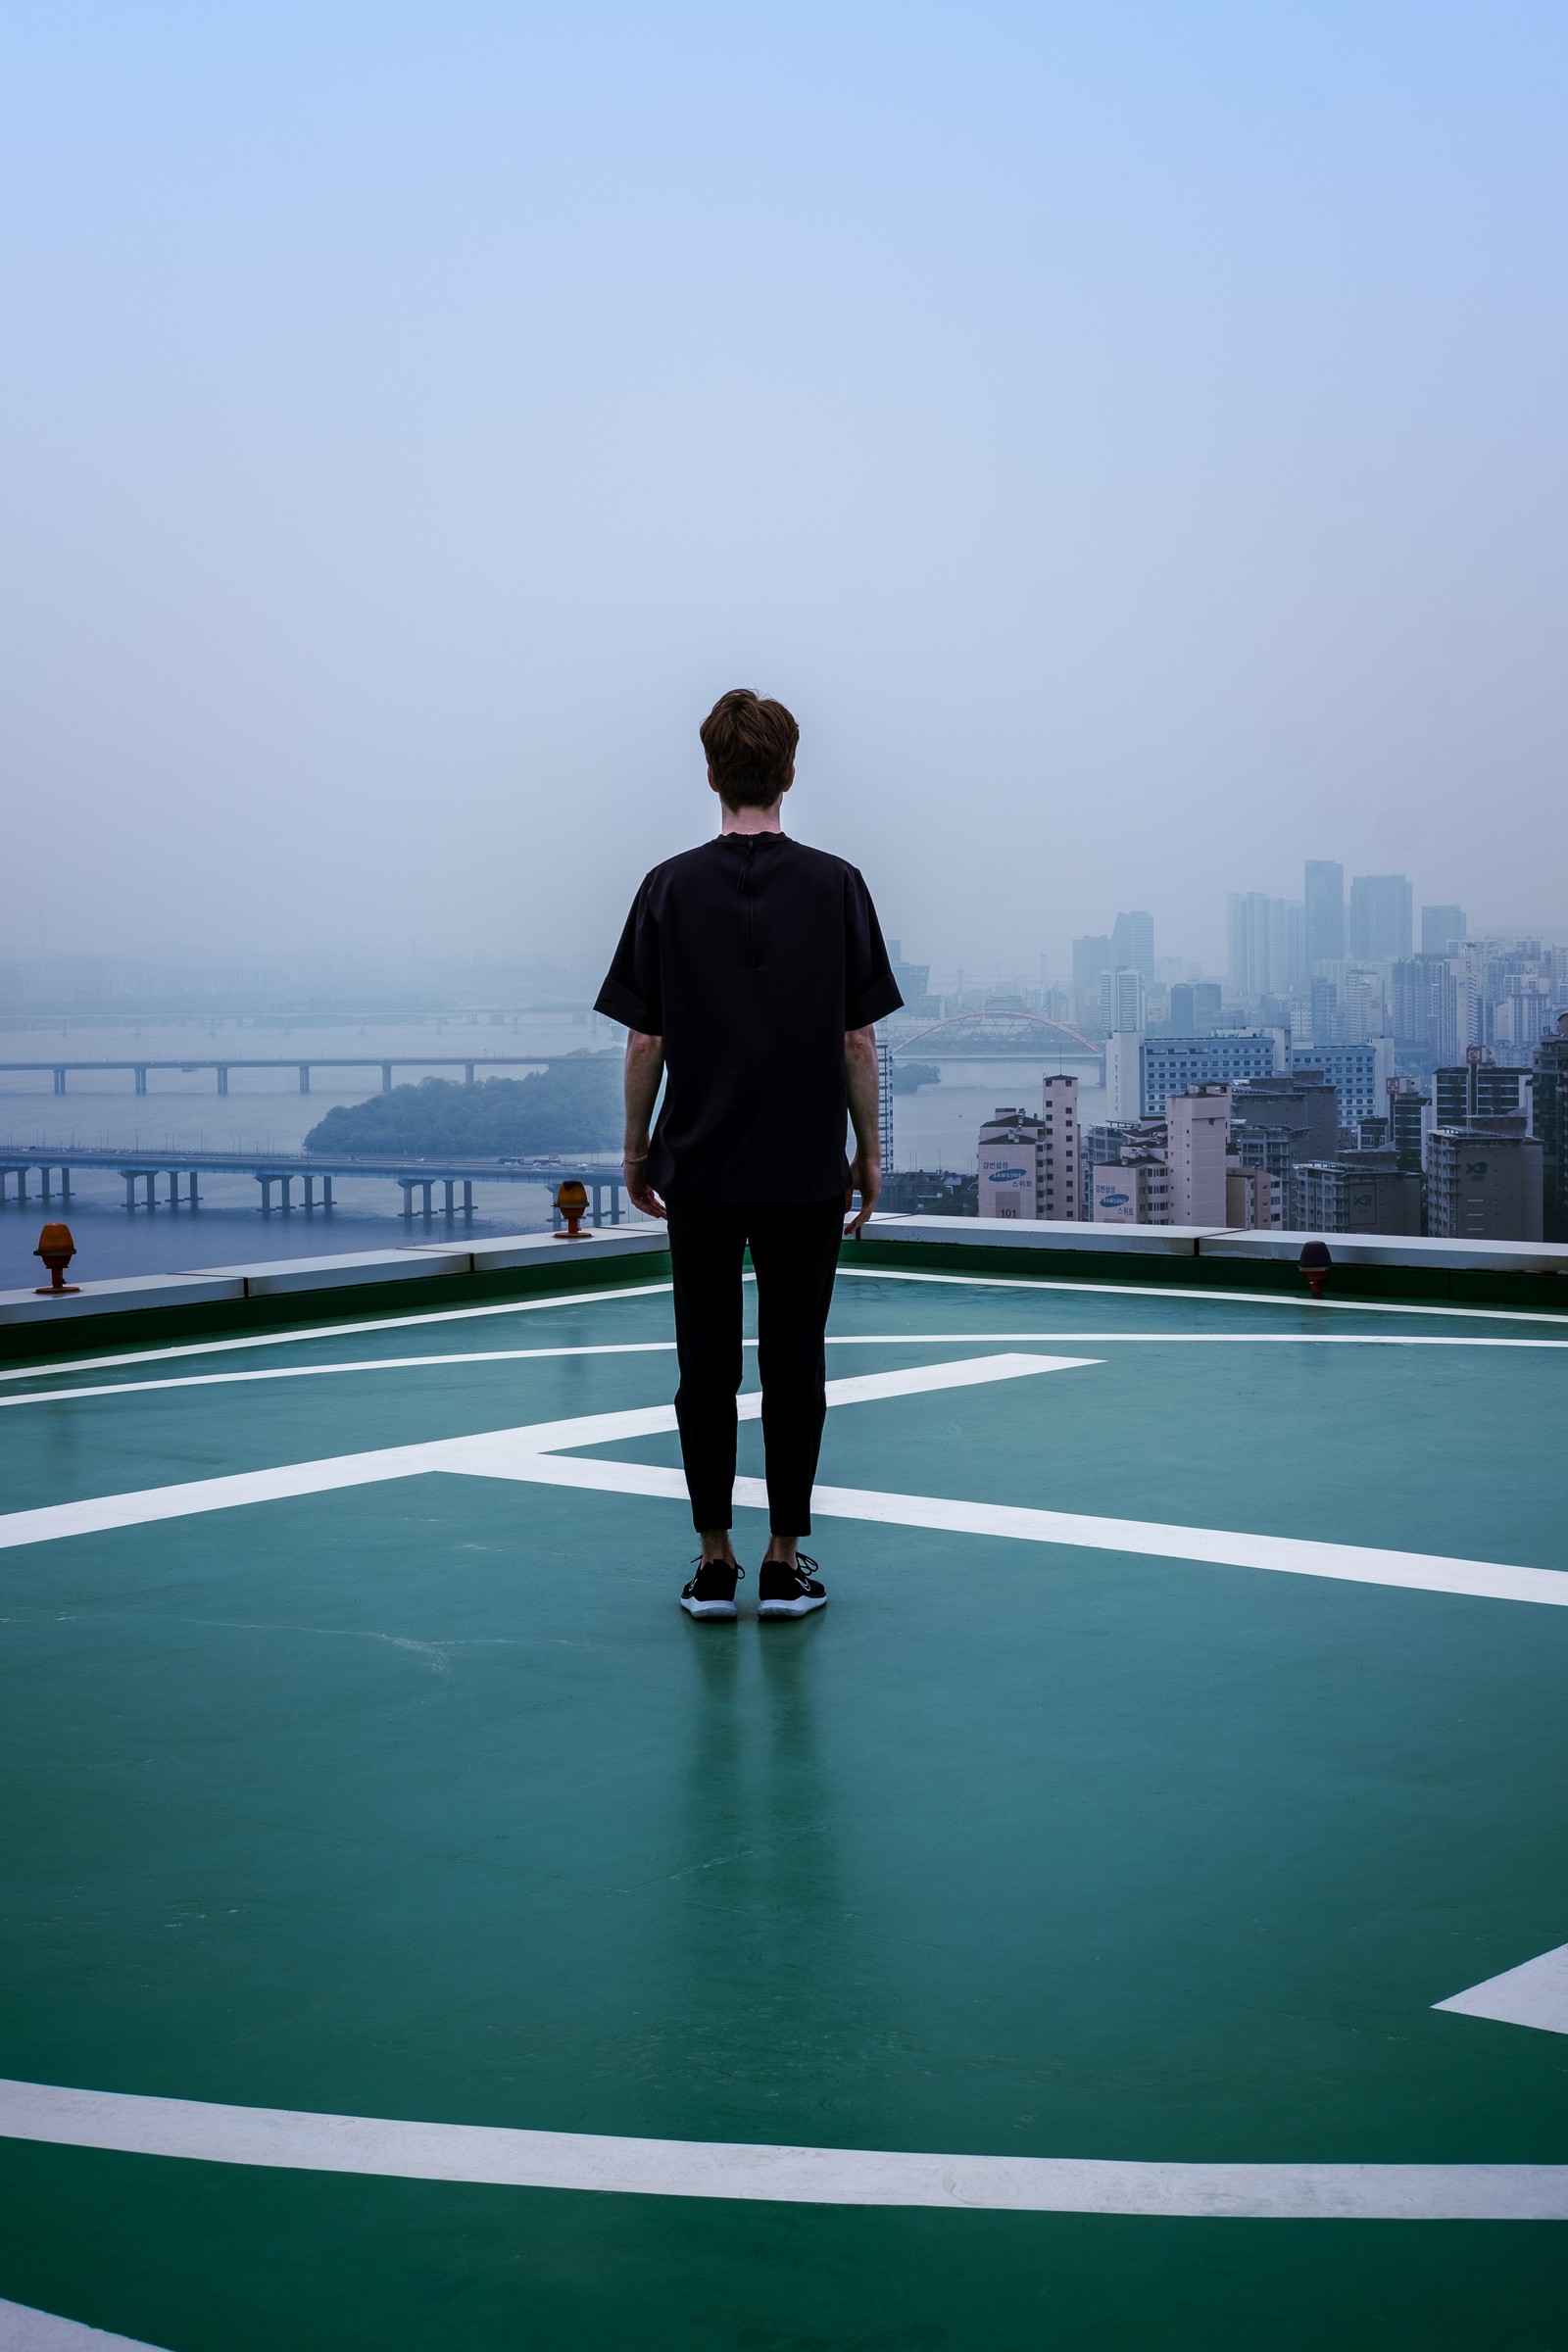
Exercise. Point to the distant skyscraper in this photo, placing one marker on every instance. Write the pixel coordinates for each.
(1091, 955)
(1125, 1009)
(1380, 918)
(1325, 911)
(1441, 929)
(1267, 940)
(1132, 943)
(1194, 1007)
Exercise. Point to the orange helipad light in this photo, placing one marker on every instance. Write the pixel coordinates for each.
(1316, 1265)
(572, 1201)
(57, 1249)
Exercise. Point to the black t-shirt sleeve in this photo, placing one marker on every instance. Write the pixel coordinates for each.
(871, 992)
(631, 994)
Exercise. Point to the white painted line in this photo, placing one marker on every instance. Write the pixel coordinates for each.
(339, 1330)
(24, 2330)
(509, 2158)
(380, 1363)
(900, 1338)
(491, 1453)
(1221, 1548)
(1208, 1297)
(1536, 1994)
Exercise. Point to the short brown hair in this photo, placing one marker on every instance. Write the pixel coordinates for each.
(750, 748)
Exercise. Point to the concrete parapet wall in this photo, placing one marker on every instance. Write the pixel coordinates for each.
(1525, 1276)
(318, 1288)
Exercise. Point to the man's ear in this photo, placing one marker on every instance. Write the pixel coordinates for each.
(788, 781)
(713, 781)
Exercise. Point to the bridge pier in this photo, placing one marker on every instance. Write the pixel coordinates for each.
(141, 1077)
(305, 1077)
(65, 1186)
(467, 1073)
(59, 1079)
(222, 1077)
(449, 1187)
(467, 1196)
(386, 1077)
(407, 1183)
(266, 1182)
(326, 1192)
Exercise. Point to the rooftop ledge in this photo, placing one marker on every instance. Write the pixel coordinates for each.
(1504, 1274)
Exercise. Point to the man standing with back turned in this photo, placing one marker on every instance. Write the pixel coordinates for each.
(750, 974)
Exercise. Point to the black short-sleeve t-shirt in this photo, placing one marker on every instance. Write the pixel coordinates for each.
(750, 956)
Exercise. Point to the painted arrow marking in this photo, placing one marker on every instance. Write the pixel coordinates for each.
(24, 2330)
(1536, 1994)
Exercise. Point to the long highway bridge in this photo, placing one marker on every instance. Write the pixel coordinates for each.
(50, 1162)
(468, 1064)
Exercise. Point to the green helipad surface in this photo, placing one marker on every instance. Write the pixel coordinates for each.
(400, 1789)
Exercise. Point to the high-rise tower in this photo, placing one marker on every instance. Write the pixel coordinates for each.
(1325, 911)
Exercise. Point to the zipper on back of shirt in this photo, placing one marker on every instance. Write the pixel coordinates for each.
(748, 885)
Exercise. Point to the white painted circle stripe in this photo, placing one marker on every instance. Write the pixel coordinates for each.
(509, 2158)
(338, 1330)
(1209, 1298)
(901, 1339)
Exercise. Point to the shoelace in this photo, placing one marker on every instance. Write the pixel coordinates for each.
(803, 1569)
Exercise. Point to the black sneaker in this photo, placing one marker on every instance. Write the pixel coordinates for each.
(783, 1591)
(712, 1591)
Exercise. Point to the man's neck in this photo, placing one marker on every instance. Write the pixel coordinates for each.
(752, 820)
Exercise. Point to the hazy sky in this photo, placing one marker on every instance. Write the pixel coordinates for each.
(1130, 437)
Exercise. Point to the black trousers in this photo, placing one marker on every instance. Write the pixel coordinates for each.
(795, 1254)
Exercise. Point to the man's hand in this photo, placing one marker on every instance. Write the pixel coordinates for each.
(645, 1068)
(635, 1175)
(865, 1178)
(860, 1085)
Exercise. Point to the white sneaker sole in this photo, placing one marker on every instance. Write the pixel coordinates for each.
(792, 1608)
(709, 1608)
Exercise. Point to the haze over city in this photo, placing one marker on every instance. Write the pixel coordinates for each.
(1128, 437)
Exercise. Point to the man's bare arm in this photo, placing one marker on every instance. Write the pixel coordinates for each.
(645, 1068)
(860, 1073)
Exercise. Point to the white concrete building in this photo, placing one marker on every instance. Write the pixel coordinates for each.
(1198, 1128)
(1059, 1158)
(1253, 1198)
(1010, 1165)
(1132, 1191)
(1028, 1164)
